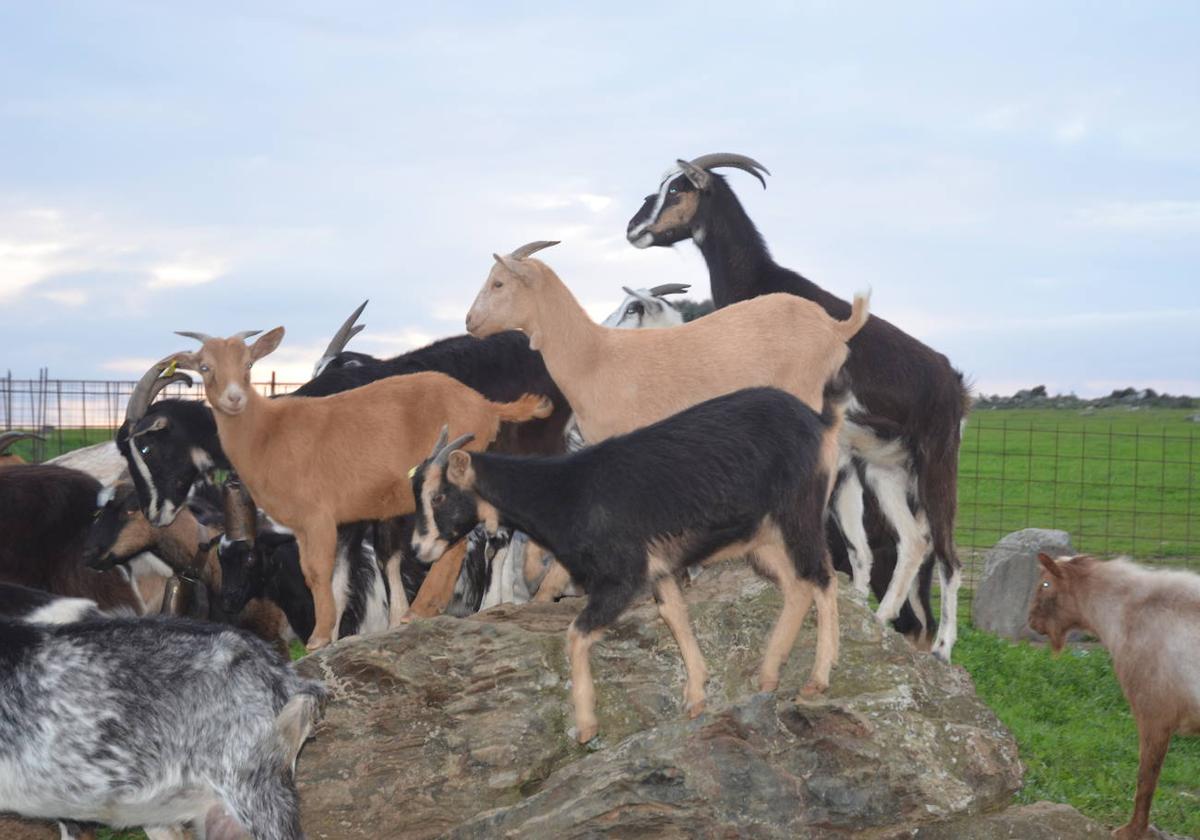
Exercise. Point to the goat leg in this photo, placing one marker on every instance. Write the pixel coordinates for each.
(318, 547)
(554, 583)
(673, 611)
(438, 588)
(1154, 741)
(583, 689)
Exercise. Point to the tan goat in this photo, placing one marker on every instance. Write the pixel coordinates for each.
(318, 462)
(620, 380)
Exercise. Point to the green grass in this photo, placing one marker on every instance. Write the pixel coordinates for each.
(1076, 734)
(1119, 481)
(59, 441)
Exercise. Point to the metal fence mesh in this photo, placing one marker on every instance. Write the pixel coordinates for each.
(1126, 486)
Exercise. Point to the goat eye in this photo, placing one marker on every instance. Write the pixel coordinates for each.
(673, 190)
(204, 368)
(249, 365)
(145, 450)
(1045, 584)
(439, 499)
(496, 284)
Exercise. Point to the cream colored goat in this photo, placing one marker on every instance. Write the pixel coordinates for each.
(620, 380)
(318, 462)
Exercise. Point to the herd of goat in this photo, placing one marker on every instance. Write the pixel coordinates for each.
(540, 452)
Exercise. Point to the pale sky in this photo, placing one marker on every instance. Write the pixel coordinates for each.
(1017, 183)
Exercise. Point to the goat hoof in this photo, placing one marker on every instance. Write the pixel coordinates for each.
(587, 732)
(1129, 832)
(695, 708)
(811, 689)
(940, 654)
(768, 684)
(315, 644)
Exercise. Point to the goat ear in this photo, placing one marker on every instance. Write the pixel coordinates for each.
(700, 178)
(1049, 564)
(266, 344)
(187, 361)
(459, 470)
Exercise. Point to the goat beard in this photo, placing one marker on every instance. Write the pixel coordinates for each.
(1058, 639)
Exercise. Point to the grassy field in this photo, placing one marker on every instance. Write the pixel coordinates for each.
(1119, 481)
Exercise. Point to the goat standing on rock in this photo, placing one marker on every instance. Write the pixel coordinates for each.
(1149, 620)
(315, 463)
(903, 420)
(631, 512)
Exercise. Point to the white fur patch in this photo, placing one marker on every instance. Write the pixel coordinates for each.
(62, 611)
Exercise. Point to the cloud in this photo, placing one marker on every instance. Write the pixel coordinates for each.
(1071, 131)
(66, 297)
(592, 202)
(186, 270)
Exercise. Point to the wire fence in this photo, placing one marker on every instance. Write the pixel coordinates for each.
(1128, 486)
(71, 413)
(1117, 483)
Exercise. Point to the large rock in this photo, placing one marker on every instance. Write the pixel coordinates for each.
(16, 828)
(462, 728)
(1010, 578)
(1039, 821)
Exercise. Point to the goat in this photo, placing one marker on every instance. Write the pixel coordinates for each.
(7, 440)
(305, 462)
(630, 512)
(647, 308)
(1149, 620)
(45, 513)
(904, 421)
(153, 722)
(171, 443)
(191, 558)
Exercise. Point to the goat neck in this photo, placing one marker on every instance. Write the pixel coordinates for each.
(733, 248)
(570, 342)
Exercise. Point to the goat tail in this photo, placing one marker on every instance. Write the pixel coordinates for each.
(859, 313)
(528, 407)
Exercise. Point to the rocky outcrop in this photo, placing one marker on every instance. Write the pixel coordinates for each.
(462, 728)
(1010, 577)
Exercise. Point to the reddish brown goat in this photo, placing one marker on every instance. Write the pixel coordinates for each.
(1150, 622)
(318, 462)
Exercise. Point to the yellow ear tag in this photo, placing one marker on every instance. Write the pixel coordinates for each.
(170, 371)
(412, 472)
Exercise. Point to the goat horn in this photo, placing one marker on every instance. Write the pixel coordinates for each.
(746, 164)
(199, 336)
(532, 248)
(345, 332)
(147, 389)
(647, 299)
(444, 455)
(441, 441)
(7, 439)
(669, 289)
(241, 516)
(244, 334)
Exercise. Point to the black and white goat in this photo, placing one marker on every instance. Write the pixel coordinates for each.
(628, 514)
(647, 308)
(904, 420)
(151, 722)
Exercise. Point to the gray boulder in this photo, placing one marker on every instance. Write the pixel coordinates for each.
(1010, 577)
(462, 728)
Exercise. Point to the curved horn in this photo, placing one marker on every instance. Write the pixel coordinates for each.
(244, 334)
(345, 332)
(444, 456)
(7, 439)
(746, 164)
(644, 298)
(199, 336)
(532, 248)
(670, 289)
(147, 389)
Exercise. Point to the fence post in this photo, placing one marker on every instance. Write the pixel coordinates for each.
(272, 383)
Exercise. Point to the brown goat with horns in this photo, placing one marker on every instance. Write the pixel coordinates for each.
(318, 462)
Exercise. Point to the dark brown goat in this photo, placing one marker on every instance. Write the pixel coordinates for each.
(1150, 622)
(45, 513)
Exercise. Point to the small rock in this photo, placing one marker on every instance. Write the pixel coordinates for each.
(1010, 578)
